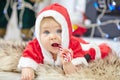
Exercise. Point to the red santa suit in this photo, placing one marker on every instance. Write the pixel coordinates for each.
(35, 54)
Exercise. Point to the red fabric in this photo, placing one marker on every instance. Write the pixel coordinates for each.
(62, 11)
(92, 53)
(33, 50)
(79, 31)
(105, 50)
(76, 47)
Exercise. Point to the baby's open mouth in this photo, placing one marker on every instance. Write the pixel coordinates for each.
(56, 45)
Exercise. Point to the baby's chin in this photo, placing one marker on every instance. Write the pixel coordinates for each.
(55, 51)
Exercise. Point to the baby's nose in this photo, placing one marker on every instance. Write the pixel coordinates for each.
(53, 37)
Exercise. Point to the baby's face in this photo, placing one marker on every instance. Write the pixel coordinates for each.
(50, 35)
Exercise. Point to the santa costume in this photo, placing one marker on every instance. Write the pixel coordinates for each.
(35, 53)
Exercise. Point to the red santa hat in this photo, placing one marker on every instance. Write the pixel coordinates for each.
(60, 14)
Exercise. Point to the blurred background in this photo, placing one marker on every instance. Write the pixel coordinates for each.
(90, 18)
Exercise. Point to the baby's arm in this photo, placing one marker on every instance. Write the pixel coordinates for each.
(29, 60)
(66, 57)
(27, 74)
(69, 68)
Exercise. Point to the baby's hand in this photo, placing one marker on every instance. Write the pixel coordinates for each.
(27, 74)
(66, 55)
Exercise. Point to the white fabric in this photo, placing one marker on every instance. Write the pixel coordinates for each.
(79, 60)
(27, 62)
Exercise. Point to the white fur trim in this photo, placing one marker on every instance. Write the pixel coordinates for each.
(60, 19)
(92, 45)
(27, 62)
(65, 31)
(79, 60)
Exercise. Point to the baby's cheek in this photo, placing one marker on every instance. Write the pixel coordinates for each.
(43, 41)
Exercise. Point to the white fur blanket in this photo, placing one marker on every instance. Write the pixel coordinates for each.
(106, 69)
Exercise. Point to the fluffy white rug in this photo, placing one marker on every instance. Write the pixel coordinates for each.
(107, 69)
(10, 52)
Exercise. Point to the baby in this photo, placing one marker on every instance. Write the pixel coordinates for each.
(54, 44)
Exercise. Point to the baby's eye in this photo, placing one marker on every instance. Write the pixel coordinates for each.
(46, 32)
(59, 31)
